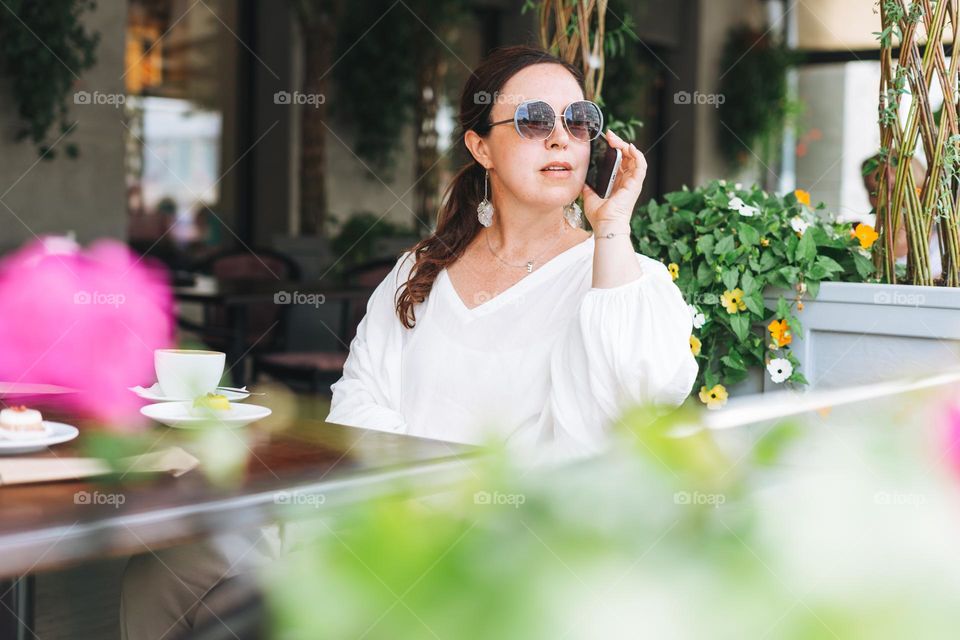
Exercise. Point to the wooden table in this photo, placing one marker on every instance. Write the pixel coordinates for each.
(42, 526)
(237, 296)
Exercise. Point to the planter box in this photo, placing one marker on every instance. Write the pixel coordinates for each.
(855, 333)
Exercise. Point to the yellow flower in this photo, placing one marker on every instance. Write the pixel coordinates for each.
(764, 242)
(674, 270)
(803, 197)
(695, 345)
(732, 301)
(780, 332)
(713, 398)
(866, 235)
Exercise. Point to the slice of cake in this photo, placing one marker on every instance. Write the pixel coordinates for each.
(21, 423)
(211, 404)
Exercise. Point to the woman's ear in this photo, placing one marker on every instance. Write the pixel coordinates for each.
(477, 147)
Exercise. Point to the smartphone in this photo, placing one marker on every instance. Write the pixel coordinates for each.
(603, 167)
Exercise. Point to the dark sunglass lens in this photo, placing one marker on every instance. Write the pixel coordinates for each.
(583, 120)
(535, 120)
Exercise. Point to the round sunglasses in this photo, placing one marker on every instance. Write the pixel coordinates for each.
(535, 120)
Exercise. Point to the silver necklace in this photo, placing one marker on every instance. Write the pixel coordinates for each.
(528, 265)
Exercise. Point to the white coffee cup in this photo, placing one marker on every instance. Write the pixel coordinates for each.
(185, 374)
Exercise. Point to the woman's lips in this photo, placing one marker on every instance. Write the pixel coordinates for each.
(558, 170)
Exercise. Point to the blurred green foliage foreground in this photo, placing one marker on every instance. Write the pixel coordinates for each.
(839, 524)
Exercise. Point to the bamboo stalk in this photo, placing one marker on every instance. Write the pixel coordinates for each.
(936, 204)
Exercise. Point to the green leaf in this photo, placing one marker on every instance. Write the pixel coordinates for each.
(754, 303)
(724, 246)
(807, 248)
(748, 283)
(748, 235)
(767, 261)
(783, 308)
(680, 199)
(863, 264)
(710, 378)
(705, 246)
(740, 323)
(704, 275)
(730, 277)
(734, 360)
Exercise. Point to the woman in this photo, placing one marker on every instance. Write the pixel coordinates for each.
(534, 331)
(510, 321)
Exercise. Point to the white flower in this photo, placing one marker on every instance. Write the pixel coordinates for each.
(799, 225)
(780, 369)
(741, 207)
(698, 318)
(738, 186)
(723, 183)
(594, 61)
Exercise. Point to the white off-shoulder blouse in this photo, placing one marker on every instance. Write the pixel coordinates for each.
(550, 359)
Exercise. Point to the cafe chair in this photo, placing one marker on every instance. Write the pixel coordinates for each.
(232, 610)
(319, 369)
(265, 321)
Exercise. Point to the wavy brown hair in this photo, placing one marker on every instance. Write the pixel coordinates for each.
(457, 222)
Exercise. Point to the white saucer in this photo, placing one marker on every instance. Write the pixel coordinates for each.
(57, 432)
(155, 394)
(177, 414)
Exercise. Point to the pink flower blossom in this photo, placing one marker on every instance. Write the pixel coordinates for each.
(86, 319)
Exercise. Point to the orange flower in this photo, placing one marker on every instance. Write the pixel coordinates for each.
(780, 332)
(866, 235)
(803, 197)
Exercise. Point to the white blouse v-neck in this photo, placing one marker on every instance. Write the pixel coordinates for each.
(550, 359)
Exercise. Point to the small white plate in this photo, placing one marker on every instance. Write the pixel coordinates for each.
(155, 394)
(57, 432)
(178, 414)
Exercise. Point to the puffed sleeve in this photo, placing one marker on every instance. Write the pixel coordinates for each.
(626, 345)
(368, 393)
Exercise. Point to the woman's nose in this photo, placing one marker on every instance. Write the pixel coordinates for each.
(559, 136)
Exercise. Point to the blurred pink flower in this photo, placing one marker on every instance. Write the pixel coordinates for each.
(952, 436)
(87, 319)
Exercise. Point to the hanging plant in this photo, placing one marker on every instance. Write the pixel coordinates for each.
(376, 73)
(44, 48)
(755, 104)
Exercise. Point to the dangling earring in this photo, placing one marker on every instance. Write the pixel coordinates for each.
(485, 208)
(572, 213)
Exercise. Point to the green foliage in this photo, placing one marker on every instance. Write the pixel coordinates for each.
(380, 45)
(664, 536)
(44, 48)
(356, 238)
(718, 250)
(754, 87)
(623, 58)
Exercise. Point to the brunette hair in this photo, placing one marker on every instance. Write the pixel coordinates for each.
(457, 222)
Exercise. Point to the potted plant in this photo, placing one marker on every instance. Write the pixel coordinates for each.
(905, 321)
(745, 260)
